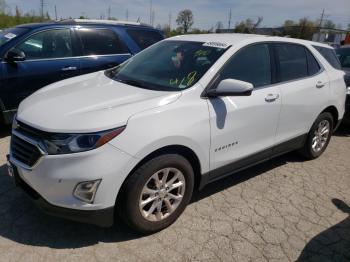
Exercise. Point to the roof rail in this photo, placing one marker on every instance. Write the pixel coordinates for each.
(100, 21)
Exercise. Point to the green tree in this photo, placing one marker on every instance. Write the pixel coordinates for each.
(306, 28)
(248, 26)
(329, 24)
(185, 20)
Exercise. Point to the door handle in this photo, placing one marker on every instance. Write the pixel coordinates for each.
(320, 84)
(271, 97)
(69, 68)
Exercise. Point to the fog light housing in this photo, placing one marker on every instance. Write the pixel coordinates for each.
(86, 191)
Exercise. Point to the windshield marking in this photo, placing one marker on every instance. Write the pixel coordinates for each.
(216, 44)
(10, 35)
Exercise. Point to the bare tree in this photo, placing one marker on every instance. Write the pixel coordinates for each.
(185, 19)
(219, 25)
(248, 26)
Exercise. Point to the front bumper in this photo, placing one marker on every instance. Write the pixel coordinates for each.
(52, 180)
(102, 217)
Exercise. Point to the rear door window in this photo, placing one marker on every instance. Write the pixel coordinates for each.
(292, 62)
(101, 42)
(312, 64)
(330, 55)
(144, 38)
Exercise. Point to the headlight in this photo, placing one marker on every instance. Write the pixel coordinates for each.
(73, 143)
(348, 90)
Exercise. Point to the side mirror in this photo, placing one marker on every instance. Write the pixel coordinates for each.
(15, 55)
(231, 87)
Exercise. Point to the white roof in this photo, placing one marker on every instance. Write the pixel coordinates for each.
(232, 39)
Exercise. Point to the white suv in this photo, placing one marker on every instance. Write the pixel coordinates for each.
(136, 140)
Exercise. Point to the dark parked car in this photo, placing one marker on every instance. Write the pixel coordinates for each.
(35, 55)
(344, 57)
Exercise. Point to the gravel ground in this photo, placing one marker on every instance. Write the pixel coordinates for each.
(281, 210)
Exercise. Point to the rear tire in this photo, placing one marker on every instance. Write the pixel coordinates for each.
(319, 136)
(157, 193)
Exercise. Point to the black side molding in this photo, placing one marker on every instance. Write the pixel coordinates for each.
(253, 160)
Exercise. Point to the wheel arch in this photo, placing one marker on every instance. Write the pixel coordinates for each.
(182, 150)
(335, 114)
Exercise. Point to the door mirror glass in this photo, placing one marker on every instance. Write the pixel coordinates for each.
(15, 55)
(231, 87)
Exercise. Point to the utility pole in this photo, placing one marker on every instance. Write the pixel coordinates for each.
(127, 14)
(42, 4)
(151, 12)
(56, 13)
(320, 25)
(229, 19)
(170, 17)
(109, 13)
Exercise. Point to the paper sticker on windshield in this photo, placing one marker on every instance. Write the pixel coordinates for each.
(9, 35)
(216, 45)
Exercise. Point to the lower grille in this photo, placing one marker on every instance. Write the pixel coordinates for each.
(24, 151)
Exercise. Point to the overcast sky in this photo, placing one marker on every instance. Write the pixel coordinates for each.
(206, 12)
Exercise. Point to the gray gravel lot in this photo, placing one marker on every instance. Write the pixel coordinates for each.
(282, 210)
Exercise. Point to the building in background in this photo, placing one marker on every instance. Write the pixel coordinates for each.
(333, 37)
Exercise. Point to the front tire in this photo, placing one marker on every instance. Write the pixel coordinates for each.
(318, 137)
(157, 193)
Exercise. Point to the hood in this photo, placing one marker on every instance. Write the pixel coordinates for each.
(88, 103)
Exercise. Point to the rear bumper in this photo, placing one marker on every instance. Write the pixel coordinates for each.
(101, 217)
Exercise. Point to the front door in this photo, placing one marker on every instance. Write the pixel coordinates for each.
(49, 58)
(243, 128)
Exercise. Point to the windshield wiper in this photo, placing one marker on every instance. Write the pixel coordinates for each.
(132, 82)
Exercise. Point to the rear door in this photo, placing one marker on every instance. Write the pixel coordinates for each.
(304, 86)
(102, 48)
(50, 57)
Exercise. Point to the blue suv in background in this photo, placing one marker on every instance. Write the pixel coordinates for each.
(35, 55)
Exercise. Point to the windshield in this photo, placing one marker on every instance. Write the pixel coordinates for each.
(168, 65)
(344, 56)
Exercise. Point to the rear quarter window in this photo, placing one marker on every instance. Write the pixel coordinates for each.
(144, 38)
(330, 55)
